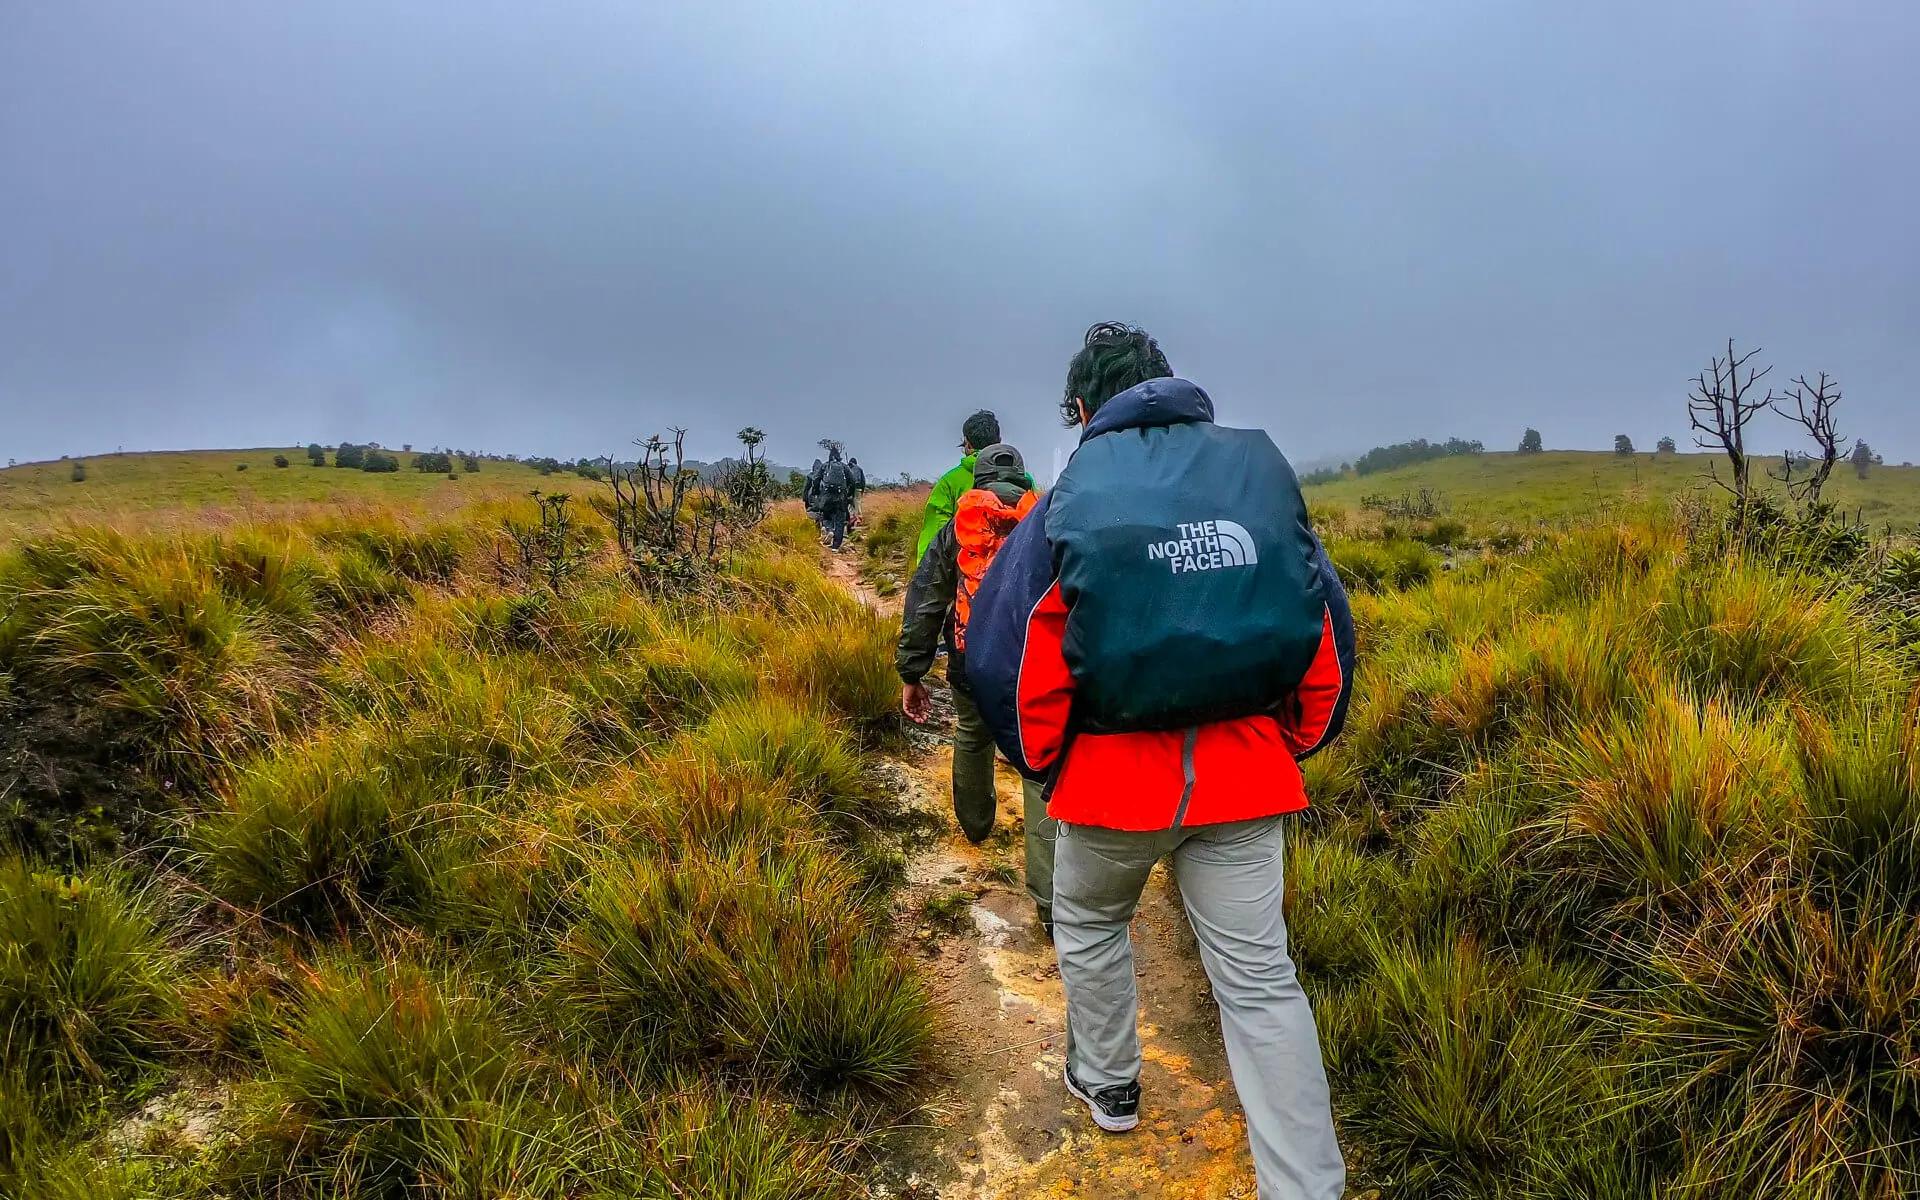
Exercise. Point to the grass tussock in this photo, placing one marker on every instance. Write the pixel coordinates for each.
(763, 962)
(465, 836)
(1647, 817)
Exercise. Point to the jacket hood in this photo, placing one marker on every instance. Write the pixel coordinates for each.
(1153, 403)
(999, 463)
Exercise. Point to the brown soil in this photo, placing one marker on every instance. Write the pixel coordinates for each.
(999, 1124)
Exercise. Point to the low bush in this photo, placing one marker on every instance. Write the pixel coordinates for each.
(771, 965)
(1372, 566)
(88, 985)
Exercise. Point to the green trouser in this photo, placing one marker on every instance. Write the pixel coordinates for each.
(975, 801)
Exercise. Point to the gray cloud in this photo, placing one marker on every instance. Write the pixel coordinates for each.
(553, 228)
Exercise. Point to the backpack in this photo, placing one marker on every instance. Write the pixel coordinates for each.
(859, 477)
(1191, 575)
(836, 482)
(981, 523)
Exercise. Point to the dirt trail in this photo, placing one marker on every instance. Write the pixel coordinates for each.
(1001, 1126)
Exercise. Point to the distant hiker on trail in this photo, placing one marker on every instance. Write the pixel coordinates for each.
(940, 595)
(809, 492)
(832, 486)
(980, 429)
(859, 490)
(1161, 640)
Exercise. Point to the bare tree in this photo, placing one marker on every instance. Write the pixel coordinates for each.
(1719, 407)
(1813, 408)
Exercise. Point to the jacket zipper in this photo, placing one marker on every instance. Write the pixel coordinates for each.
(1186, 769)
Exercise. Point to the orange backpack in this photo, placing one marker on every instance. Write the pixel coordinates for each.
(981, 523)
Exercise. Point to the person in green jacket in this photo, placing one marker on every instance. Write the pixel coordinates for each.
(980, 429)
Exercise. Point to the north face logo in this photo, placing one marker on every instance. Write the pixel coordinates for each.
(1205, 546)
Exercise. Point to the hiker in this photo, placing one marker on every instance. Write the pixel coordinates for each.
(832, 487)
(941, 597)
(808, 493)
(980, 429)
(1162, 640)
(859, 490)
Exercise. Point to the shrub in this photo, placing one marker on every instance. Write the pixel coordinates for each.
(316, 455)
(1467, 1074)
(79, 472)
(707, 1142)
(1745, 631)
(147, 631)
(1780, 1036)
(350, 456)
(379, 461)
(1372, 565)
(773, 740)
(87, 980)
(376, 1063)
(1663, 799)
(771, 965)
(842, 661)
(279, 460)
(317, 835)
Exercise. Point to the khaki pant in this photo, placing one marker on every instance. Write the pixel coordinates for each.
(975, 800)
(1231, 882)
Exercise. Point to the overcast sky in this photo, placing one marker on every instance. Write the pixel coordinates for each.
(550, 228)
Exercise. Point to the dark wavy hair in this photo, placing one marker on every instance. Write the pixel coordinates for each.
(981, 430)
(1114, 357)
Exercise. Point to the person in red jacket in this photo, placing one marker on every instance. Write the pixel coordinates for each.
(1161, 640)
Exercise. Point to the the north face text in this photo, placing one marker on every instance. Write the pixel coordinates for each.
(1205, 546)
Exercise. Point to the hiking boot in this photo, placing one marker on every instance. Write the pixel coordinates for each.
(1115, 1109)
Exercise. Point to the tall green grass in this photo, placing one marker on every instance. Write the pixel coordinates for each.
(1611, 889)
(459, 838)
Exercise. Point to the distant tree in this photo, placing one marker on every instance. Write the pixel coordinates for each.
(279, 460)
(1813, 409)
(1666, 446)
(406, 447)
(1530, 442)
(379, 462)
(79, 472)
(586, 468)
(350, 456)
(1863, 458)
(1623, 445)
(1400, 454)
(469, 463)
(1720, 406)
(434, 461)
(316, 454)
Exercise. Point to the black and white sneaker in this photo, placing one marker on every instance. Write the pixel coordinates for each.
(1115, 1109)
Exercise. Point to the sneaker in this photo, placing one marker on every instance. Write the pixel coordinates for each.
(1115, 1109)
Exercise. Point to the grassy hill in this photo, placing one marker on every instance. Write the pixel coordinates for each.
(1573, 484)
(142, 489)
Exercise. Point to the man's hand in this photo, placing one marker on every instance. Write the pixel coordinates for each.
(915, 702)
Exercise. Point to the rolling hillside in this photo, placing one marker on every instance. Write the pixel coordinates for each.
(1563, 485)
(158, 486)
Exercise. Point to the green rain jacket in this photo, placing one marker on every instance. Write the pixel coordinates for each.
(944, 502)
(947, 491)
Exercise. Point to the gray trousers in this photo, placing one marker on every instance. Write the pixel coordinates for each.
(1231, 882)
(975, 801)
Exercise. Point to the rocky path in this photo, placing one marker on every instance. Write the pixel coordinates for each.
(999, 1125)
